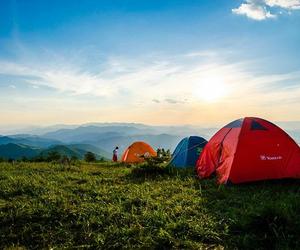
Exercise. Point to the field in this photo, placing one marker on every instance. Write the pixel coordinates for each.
(102, 206)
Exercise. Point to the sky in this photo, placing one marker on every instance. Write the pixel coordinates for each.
(164, 62)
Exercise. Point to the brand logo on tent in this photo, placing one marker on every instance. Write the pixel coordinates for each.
(270, 158)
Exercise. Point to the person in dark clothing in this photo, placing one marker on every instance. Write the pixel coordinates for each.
(115, 154)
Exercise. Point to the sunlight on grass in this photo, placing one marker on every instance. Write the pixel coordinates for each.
(108, 206)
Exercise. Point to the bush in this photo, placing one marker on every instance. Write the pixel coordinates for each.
(90, 157)
(53, 156)
(102, 159)
(24, 159)
(74, 159)
(163, 154)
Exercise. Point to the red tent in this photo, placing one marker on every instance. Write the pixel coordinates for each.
(250, 149)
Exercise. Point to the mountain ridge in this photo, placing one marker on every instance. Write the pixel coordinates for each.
(100, 138)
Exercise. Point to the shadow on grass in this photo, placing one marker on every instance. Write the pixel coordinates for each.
(259, 215)
(30, 230)
(143, 172)
(101, 207)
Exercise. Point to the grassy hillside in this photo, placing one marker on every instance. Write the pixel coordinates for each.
(18, 151)
(112, 206)
(86, 147)
(77, 150)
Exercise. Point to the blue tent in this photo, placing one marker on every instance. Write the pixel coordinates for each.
(187, 152)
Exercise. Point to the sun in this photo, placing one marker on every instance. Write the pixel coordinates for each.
(211, 89)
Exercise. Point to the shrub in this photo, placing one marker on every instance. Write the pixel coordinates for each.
(90, 157)
(53, 156)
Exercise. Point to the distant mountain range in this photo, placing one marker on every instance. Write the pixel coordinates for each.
(107, 137)
(144, 129)
(101, 138)
(29, 140)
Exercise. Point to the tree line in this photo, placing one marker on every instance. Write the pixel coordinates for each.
(55, 156)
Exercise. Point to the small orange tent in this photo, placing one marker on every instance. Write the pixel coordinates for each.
(137, 151)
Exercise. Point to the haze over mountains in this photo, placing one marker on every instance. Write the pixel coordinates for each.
(101, 138)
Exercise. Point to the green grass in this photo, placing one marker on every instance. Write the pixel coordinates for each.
(101, 206)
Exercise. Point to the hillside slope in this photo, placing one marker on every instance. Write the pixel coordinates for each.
(29, 140)
(77, 151)
(18, 151)
(87, 147)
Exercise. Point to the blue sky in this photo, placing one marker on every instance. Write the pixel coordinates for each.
(157, 62)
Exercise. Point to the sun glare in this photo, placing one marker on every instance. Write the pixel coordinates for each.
(211, 89)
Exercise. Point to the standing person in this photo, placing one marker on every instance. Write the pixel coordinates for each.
(115, 154)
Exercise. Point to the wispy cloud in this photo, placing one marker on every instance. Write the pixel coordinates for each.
(12, 86)
(173, 101)
(265, 9)
(109, 81)
(177, 76)
(182, 81)
(155, 100)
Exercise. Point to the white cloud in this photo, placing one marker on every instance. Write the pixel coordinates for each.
(253, 11)
(265, 9)
(285, 4)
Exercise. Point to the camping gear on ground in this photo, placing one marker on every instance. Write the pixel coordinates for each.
(187, 152)
(137, 152)
(250, 149)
